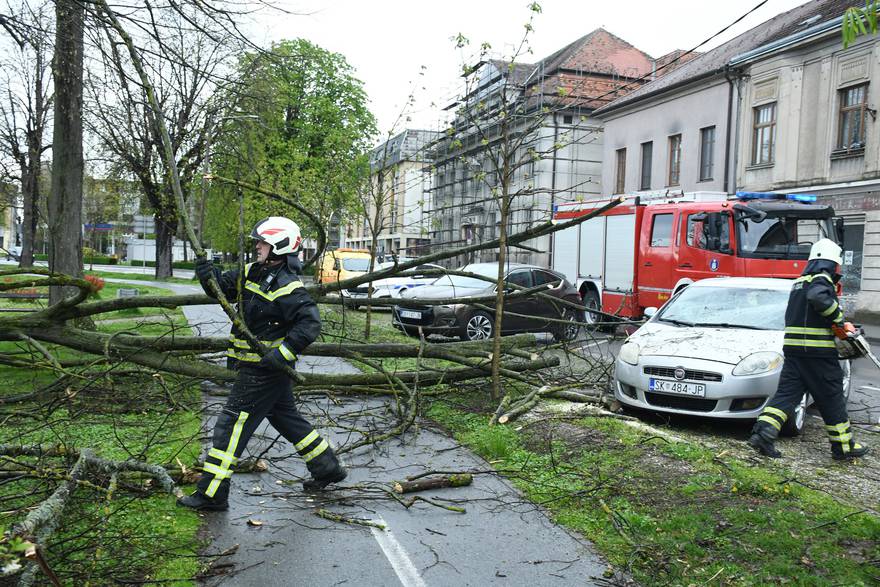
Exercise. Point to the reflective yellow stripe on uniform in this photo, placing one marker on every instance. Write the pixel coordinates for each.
(770, 420)
(316, 451)
(224, 472)
(776, 412)
(830, 310)
(285, 352)
(309, 439)
(241, 349)
(825, 344)
(272, 295)
(807, 330)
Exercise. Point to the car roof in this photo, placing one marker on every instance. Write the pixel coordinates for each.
(745, 283)
(509, 266)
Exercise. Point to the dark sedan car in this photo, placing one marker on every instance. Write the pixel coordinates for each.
(468, 322)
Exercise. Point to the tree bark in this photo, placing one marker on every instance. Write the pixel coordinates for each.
(455, 480)
(166, 228)
(65, 199)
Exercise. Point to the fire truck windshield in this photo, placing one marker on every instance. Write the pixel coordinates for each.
(780, 235)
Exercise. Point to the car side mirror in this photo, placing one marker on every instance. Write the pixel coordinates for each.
(650, 311)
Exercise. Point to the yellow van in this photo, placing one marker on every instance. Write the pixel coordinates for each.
(343, 264)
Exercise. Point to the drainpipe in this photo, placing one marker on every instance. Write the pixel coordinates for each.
(553, 181)
(728, 132)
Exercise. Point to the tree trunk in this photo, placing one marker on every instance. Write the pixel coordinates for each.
(166, 228)
(65, 199)
(30, 193)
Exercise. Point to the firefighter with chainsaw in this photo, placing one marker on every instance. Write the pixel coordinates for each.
(813, 319)
(278, 311)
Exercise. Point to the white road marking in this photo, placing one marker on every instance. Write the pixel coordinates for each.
(869, 387)
(596, 343)
(396, 555)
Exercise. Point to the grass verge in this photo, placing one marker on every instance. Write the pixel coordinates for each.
(135, 533)
(675, 514)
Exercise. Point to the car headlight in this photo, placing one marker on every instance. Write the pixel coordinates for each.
(757, 363)
(629, 353)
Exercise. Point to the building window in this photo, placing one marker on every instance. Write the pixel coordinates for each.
(674, 177)
(851, 129)
(707, 153)
(764, 134)
(647, 152)
(620, 180)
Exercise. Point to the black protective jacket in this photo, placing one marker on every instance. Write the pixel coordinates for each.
(812, 309)
(276, 309)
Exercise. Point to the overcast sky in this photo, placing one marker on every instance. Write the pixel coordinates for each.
(388, 41)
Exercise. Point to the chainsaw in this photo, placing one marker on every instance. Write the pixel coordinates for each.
(855, 346)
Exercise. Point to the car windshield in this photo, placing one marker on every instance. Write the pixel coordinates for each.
(490, 271)
(356, 264)
(731, 307)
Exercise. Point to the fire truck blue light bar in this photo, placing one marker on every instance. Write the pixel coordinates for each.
(775, 196)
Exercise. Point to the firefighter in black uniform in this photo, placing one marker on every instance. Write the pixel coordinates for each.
(279, 312)
(812, 319)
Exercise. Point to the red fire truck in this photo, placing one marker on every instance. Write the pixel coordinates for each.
(638, 254)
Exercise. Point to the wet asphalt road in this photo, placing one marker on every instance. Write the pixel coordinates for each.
(272, 535)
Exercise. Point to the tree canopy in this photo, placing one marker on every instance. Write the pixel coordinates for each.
(300, 126)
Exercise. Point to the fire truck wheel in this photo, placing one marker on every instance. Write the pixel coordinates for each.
(591, 302)
(479, 326)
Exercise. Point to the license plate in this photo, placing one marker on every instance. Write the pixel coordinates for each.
(411, 314)
(666, 386)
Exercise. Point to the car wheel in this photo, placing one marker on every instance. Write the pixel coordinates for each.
(401, 292)
(794, 425)
(846, 367)
(479, 326)
(567, 332)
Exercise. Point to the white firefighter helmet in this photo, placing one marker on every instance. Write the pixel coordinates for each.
(826, 249)
(279, 232)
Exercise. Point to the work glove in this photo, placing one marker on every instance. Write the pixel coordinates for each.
(204, 268)
(275, 361)
(845, 331)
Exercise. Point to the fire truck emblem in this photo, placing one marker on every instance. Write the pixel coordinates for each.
(713, 264)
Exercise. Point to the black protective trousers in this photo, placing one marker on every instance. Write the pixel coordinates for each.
(821, 377)
(257, 394)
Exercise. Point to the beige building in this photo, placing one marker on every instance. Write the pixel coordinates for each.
(402, 196)
(808, 124)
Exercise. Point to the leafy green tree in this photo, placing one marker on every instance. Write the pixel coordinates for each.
(300, 127)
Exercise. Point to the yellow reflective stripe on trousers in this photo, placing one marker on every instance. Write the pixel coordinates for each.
(219, 472)
(776, 412)
(843, 427)
(225, 458)
(825, 344)
(272, 295)
(770, 420)
(830, 310)
(316, 451)
(233, 444)
(806, 330)
(309, 439)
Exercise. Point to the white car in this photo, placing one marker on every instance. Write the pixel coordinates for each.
(391, 287)
(714, 349)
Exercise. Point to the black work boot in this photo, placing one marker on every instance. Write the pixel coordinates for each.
(855, 451)
(201, 502)
(763, 438)
(325, 469)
